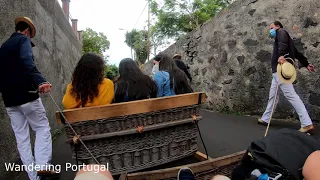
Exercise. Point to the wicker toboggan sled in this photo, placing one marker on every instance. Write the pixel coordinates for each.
(137, 135)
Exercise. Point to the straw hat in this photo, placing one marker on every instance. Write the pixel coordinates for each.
(287, 72)
(29, 22)
(176, 55)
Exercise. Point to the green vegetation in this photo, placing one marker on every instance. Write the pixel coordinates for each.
(95, 42)
(178, 17)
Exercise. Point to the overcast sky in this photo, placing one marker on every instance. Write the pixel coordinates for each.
(108, 16)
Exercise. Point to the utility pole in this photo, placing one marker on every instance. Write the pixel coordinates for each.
(148, 45)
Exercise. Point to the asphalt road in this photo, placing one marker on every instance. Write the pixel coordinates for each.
(223, 134)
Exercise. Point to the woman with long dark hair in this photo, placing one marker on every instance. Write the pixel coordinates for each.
(170, 79)
(89, 87)
(133, 84)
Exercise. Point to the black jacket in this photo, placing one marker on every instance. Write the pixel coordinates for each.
(284, 45)
(18, 73)
(183, 67)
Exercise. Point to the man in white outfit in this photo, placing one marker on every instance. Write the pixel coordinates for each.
(18, 78)
(283, 46)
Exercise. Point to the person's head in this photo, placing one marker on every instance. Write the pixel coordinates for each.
(87, 76)
(274, 27)
(155, 62)
(220, 177)
(177, 57)
(129, 68)
(310, 169)
(25, 26)
(132, 81)
(177, 76)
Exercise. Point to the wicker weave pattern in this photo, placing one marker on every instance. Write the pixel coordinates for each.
(141, 151)
(133, 152)
(129, 122)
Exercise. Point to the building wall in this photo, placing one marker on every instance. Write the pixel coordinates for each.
(56, 53)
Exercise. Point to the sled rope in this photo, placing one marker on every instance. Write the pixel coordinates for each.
(196, 121)
(273, 107)
(77, 137)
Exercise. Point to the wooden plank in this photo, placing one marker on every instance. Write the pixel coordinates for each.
(195, 167)
(129, 108)
(134, 131)
(200, 156)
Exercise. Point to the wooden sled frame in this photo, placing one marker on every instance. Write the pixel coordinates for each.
(202, 166)
(170, 114)
(130, 108)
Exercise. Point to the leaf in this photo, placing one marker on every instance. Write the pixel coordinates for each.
(178, 17)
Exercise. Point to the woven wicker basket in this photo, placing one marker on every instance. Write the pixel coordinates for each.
(116, 142)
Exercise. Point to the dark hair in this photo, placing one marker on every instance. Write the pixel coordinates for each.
(87, 76)
(277, 23)
(133, 84)
(21, 26)
(181, 84)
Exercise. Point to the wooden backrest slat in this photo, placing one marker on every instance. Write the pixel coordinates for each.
(130, 108)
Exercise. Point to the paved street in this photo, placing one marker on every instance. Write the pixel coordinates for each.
(223, 134)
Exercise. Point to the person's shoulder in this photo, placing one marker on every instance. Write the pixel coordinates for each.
(107, 81)
(69, 87)
(17, 37)
(21, 37)
(161, 73)
(164, 75)
(282, 31)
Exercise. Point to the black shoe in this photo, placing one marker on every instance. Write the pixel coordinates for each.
(185, 174)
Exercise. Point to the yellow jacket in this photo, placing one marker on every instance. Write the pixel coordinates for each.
(106, 95)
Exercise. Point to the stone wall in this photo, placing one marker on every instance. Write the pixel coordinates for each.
(229, 56)
(56, 53)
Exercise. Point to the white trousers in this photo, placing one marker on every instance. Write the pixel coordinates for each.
(33, 114)
(291, 96)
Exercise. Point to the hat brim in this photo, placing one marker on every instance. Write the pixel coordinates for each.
(177, 55)
(282, 79)
(29, 22)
